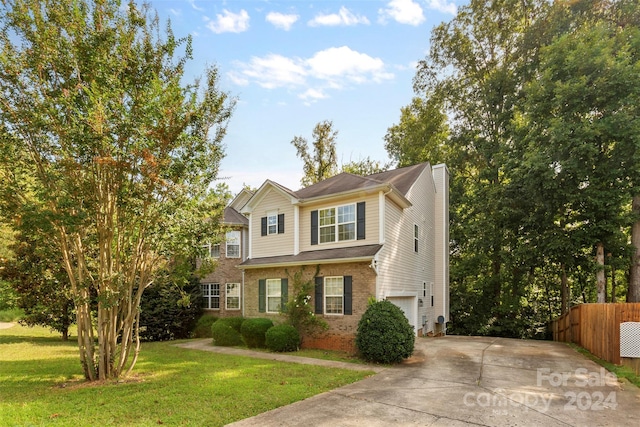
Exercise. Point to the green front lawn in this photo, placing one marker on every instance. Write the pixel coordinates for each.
(41, 384)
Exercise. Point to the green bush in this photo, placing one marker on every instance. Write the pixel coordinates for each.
(282, 338)
(235, 322)
(253, 331)
(384, 334)
(226, 331)
(169, 311)
(203, 326)
(11, 315)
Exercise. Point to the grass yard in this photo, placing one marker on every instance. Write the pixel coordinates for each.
(41, 384)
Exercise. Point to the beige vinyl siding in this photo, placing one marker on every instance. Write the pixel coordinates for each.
(272, 244)
(441, 288)
(371, 222)
(402, 271)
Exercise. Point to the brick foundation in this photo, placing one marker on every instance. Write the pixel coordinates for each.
(331, 341)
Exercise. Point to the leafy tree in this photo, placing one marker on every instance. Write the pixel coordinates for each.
(7, 294)
(365, 167)
(421, 135)
(40, 282)
(582, 122)
(541, 113)
(320, 160)
(103, 144)
(474, 71)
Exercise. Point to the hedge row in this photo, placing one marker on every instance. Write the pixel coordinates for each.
(255, 333)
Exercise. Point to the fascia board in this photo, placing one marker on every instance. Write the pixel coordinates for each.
(309, 262)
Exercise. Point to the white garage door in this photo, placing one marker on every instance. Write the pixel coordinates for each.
(408, 307)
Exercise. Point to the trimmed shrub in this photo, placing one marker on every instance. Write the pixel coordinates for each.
(253, 331)
(226, 331)
(235, 322)
(203, 326)
(384, 334)
(282, 338)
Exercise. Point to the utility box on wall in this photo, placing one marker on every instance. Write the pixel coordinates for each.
(630, 345)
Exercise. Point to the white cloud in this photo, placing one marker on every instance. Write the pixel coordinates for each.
(176, 12)
(443, 6)
(403, 11)
(343, 17)
(229, 22)
(330, 69)
(312, 94)
(338, 63)
(271, 71)
(193, 5)
(281, 20)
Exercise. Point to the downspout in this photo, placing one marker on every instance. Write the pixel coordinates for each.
(242, 285)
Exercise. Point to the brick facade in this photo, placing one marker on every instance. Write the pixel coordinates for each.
(226, 271)
(342, 328)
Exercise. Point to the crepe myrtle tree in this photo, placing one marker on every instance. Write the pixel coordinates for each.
(101, 139)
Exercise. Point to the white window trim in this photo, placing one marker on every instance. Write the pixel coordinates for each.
(227, 295)
(273, 215)
(326, 295)
(336, 225)
(267, 296)
(211, 295)
(238, 244)
(416, 238)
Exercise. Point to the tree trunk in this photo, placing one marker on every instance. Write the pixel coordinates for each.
(600, 275)
(613, 284)
(564, 290)
(633, 293)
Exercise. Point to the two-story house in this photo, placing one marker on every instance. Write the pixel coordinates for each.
(383, 236)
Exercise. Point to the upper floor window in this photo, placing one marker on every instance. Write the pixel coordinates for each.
(337, 224)
(233, 244)
(416, 235)
(214, 251)
(273, 223)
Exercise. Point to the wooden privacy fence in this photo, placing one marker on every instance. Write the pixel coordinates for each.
(596, 327)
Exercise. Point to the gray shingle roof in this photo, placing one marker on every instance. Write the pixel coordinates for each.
(320, 256)
(233, 217)
(402, 179)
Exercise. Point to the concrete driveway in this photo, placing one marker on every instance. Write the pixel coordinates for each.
(480, 381)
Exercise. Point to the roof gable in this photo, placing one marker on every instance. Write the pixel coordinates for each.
(264, 190)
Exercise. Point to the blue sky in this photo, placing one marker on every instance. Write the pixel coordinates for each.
(292, 64)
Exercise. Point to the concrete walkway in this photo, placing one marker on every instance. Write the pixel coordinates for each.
(206, 345)
(470, 381)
